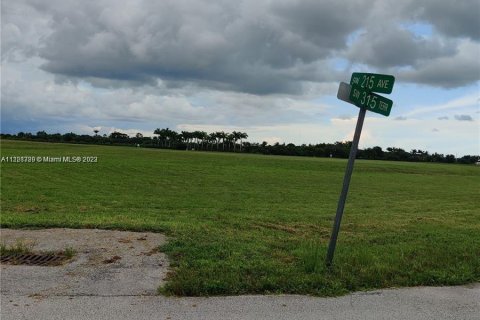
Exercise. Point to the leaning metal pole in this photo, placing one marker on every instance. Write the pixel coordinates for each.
(346, 184)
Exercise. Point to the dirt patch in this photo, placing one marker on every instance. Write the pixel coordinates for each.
(106, 263)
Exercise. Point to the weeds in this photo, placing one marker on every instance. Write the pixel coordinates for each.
(20, 247)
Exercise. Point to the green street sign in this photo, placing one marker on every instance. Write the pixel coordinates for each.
(371, 101)
(359, 92)
(381, 83)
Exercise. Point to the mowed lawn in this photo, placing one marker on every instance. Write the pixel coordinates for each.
(243, 224)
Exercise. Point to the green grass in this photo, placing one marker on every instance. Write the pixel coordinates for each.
(242, 224)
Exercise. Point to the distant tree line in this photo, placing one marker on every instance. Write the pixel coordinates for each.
(235, 142)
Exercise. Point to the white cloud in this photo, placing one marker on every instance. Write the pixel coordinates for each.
(469, 100)
(458, 137)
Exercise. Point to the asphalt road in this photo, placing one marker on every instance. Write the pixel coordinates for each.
(420, 303)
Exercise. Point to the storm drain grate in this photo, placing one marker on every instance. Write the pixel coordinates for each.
(33, 259)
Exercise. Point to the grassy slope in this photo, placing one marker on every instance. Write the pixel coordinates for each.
(257, 224)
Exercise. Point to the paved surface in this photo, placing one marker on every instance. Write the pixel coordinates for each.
(423, 303)
(90, 288)
(106, 263)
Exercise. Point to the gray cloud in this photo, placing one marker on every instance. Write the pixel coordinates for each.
(443, 118)
(448, 72)
(452, 18)
(345, 117)
(218, 45)
(463, 117)
(325, 23)
(400, 118)
(259, 47)
(22, 31)
(44, 100)
(391, 46)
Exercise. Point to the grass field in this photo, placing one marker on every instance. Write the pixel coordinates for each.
(240, 224)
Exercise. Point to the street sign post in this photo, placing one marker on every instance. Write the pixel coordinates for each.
(381, 83)
(346, 184)
(359, 93)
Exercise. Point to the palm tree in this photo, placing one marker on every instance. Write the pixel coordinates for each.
(169, 136)
(186, 137)
(218, 136)
(203, 136)
(229, 139)
(242, 135)
(235, 137)
(197, 136)
(212, 138)
(160, 133)
(166, 135)
(222, 135)
(174, 137)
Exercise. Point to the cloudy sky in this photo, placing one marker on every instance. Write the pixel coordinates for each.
(269, 68)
